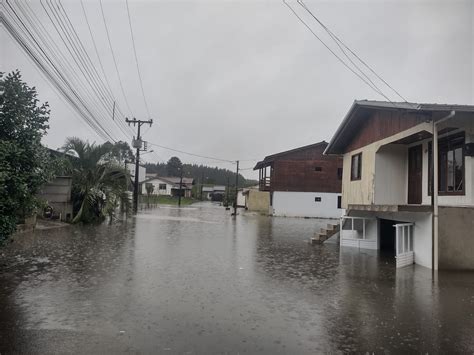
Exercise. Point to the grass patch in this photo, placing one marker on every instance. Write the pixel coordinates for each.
(166, 200)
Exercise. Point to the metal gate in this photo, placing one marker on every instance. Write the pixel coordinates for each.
(404, 244)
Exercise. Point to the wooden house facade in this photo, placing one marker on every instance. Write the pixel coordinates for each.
(302, 182)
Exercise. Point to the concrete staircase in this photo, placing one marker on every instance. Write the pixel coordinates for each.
(325, 233)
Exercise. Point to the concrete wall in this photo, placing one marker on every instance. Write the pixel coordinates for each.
(456, 238)
(57, 194)
(258, 201)
(303, 204)
(391, 178)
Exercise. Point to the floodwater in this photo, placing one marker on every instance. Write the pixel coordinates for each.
(196, 281)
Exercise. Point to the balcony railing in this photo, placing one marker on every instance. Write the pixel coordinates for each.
(264, 184)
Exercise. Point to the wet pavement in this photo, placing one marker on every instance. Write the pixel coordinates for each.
(196, 281)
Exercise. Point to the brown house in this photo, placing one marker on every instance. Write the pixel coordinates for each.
(302, 182)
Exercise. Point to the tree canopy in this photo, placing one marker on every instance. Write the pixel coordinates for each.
(24, 167)
(174, 166)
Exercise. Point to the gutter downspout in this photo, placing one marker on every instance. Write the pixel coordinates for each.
(435, 232)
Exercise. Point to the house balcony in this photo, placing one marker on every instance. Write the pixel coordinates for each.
(264, 184)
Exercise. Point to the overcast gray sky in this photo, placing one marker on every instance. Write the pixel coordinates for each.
(244, 79)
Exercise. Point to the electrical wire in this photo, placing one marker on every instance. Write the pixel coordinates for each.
(136, 60)
(335, 54)
(337, 39)
(192, 154)
(113, 56)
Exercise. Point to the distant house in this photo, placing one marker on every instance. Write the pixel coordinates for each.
(168, 186)
(302, 182)
(213, 193)
(390, 174)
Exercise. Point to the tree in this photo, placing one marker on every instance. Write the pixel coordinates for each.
(149, 190)
(99, 184)
(24, 161)
(174, 166)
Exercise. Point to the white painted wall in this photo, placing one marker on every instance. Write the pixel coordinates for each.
(391, 175)
(421, 231)
(141, 172)
(241, 199)
(156, 191)
(302, 204)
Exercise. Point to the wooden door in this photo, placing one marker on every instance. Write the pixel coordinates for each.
(415, 174)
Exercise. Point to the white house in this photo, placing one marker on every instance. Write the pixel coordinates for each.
(169, 186)
(302, 182)
(389, 175)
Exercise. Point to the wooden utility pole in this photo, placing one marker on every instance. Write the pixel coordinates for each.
(202, 183)
(137, 143)
(180, 185)
(236, 188)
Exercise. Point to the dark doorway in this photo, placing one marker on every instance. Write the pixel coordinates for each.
(415, 174)
(387, 237)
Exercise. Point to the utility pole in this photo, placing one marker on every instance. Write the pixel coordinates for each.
(202, 183)
(180, 184)
(236, 188)
(137, 143)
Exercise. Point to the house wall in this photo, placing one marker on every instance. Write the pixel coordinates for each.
(57, 194)
(422, 231)
(391, 176)
(141, 172)
(301, 175)
(258, 201)
(456, 238)
(156, 191)
(303, 204)
(362, 192)
(241, 199)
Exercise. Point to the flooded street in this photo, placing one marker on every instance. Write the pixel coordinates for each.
(194, 280)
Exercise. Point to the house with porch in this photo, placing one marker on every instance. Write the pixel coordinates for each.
(169, 186)
(302, 182)
(408, 181)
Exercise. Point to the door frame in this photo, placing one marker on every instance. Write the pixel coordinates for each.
(415, 197)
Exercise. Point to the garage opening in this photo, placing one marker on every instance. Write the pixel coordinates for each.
(387, 236)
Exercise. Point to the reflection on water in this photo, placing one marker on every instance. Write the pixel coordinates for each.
(195, 280)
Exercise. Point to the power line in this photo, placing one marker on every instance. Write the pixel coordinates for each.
(98, 56)
(67, 38)
(113, 56)
(97, 80)
(337, 39)
(136, 60)
(192, 154)
(34, 45)
(334, 54)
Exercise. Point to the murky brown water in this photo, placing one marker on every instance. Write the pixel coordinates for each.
(196, 281)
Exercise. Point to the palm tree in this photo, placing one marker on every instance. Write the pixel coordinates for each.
(99, 182)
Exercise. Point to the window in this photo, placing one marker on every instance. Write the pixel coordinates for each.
(339, 201)
(450, 165)
(318, 168)
(317, 199)
(162, 186)
(356, 167)
(339, 173)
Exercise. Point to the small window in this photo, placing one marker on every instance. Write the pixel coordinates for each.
(339, 173)
(317, 199)
(356, 167)
(339, 201)
(318, 168)
(162, 187)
